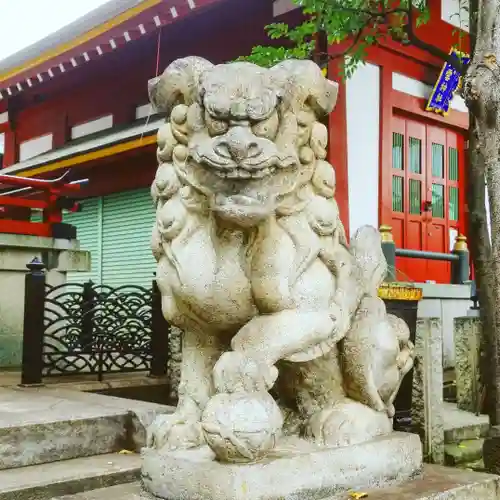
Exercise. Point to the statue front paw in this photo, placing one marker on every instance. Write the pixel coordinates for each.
(174, 432)
(235, 372)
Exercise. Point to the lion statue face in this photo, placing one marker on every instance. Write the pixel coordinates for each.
(245, 136)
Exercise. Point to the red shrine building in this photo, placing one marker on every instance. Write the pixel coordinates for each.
(78, 100)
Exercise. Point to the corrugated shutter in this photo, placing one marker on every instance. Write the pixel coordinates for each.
(116, 230)
(127, 219)
(88, 232)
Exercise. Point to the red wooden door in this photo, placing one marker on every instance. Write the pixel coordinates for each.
(427, 198)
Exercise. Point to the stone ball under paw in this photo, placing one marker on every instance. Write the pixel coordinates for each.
(241, 427)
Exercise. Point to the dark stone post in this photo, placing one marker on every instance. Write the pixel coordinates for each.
(389, 249)
(160, 330)
(87, 324)
(460, 267)
(33, 329)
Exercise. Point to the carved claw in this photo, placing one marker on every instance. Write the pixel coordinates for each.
(173, 432)
(235, 372)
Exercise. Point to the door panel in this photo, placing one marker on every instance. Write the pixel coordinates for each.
(427, 198)
(437, 217)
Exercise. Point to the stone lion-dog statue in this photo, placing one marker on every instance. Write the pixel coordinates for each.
(283, 330)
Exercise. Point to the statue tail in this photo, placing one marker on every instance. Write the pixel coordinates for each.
(366, 248)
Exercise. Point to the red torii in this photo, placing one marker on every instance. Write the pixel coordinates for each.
(52, 203)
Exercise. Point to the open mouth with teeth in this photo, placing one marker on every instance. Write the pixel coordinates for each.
(243, 173)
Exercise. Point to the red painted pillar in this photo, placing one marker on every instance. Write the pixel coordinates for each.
(337, 145)
(60, 130)
(385, 152)
(11, 154)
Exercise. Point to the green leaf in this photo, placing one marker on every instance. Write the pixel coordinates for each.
(356, 24)
(423, 17)
(277, 30)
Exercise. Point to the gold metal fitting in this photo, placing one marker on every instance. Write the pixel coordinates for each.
(398, 292)
(386, 233)
(461, 244)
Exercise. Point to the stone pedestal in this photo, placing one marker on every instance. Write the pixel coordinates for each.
(59, 257)
(295, 470)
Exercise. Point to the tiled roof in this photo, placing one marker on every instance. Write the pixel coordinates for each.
(103, 30)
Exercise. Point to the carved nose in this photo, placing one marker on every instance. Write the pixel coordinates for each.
(239, 144)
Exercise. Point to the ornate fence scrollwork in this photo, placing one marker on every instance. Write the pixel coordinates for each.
(97, 329)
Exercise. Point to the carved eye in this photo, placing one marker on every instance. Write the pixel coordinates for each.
(261, 107)
(215, 127)
(305, 119)
(267, 128)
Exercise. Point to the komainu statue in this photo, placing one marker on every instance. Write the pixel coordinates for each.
(284, 333)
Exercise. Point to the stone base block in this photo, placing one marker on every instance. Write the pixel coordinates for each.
(435, 483)
(296, 470)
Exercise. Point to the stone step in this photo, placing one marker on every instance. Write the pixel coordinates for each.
(68, 477)
(436, 483)
(130, 491)
(477, 465)
(464, 452)
(43, 425)
(461, 425)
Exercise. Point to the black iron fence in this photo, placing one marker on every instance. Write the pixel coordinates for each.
(91, 329)
(458, 257)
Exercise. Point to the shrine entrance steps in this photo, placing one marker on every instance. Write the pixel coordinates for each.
(464, 435)
(56, 442)
(435, 483)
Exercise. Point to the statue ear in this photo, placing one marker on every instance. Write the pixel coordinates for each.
(323, 96)
(302, 82)
(179, 84)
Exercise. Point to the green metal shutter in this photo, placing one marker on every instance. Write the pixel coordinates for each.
(127, 220)
(87, 223)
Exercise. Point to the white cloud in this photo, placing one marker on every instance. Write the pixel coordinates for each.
(24, 22)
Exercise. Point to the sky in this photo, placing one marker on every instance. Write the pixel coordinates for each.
(23, 22)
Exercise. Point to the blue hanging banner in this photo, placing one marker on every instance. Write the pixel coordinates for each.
(447, 84)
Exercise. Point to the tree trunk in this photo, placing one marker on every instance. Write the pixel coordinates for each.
(482, 94)
(479, 244)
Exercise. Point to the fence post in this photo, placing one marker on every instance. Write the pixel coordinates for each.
(469, 351)
(160, 330)
(389, 250)
(33, 328)
(460, 267)
(88, 305)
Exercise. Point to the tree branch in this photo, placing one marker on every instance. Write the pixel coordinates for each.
(355, 41)
(414, 40)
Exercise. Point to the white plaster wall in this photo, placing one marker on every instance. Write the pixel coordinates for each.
(4, 117)
(416, 88)
(363, 131)
(455, 13)
(34, 147)
(143, 111)
(281, 7)
(91, 127)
